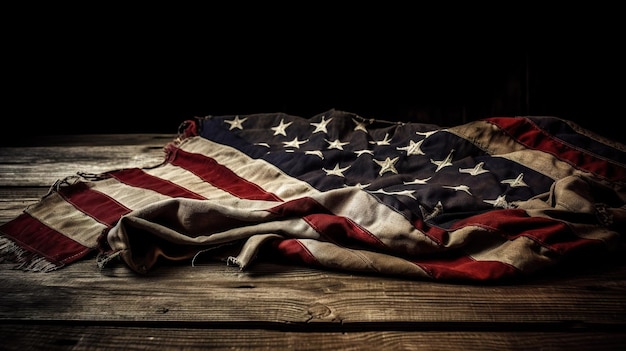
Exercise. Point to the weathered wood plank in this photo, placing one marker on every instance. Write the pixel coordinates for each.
(275, 306)
(39, 166)
(14, 200)
(97, 337)
(89, 139)
(273, 293)
(43, 165)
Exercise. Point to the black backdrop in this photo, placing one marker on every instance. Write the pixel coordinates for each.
(128, 72)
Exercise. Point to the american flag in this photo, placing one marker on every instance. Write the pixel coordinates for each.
(490, 199)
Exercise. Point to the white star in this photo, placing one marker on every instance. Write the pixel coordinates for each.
(321, 126)
(280, 129)
(294, 143)
(443, 163)
(499, 202)
(336, 144)
(418, 181)
(426, 134)
(385, 141)
(408, 193)
(413, 148)
(388, 165)
(336, 171)
(361, 152)
(435, 212)
(478, 169)
(515, 182)
(359, 125)
(316, 153)
(236, 123)
(464, 188)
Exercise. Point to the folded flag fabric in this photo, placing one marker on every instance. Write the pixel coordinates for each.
(490, 199)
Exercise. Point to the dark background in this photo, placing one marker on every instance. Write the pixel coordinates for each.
(104, 70)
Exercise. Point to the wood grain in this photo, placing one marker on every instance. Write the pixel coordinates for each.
(275, 293)
(43, 165)
(97, 337)
(273, 305)
(13, 200)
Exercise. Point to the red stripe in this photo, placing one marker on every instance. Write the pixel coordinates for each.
(513, 223)
(438, 235)
(334, 228)
(93, 203)
(466, 268)
(458, 268)
(138, 178)
(293, 249)
(531, 136)
(38, 238)
(219, 176)
(342, 229)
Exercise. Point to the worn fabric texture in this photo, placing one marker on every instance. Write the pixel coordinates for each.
(491, 199)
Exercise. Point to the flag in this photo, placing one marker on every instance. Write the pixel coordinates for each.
(496, 198)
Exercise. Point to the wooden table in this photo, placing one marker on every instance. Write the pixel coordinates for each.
(273, 306)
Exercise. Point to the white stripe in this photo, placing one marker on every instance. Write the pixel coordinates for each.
(136, 198)
(61, 216)
(338, 257)
(522, 252)
(128, 196)
(389, 226)
(489, 138)
(361, 207)
(256, 171)
(543, 163)
(192, 182)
